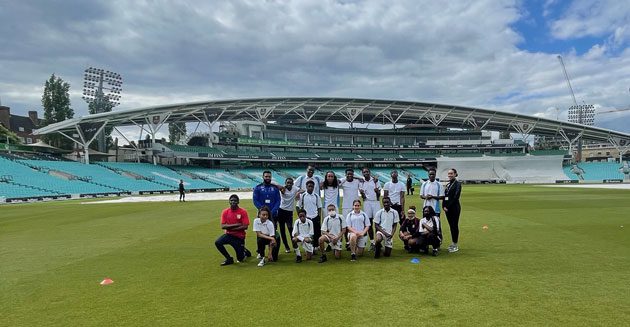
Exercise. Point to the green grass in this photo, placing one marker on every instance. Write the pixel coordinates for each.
(551, 256)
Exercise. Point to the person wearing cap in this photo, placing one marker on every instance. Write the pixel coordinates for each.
(234, 221)
(409, 230)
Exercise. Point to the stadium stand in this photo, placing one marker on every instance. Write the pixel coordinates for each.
(510, 169)
(595, 171)
(162, 175)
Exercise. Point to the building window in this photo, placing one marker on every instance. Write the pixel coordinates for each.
(29, 140)
(21, 129)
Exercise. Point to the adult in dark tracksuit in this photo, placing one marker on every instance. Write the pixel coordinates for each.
(452, 207)
(182, 191)
(267, 194)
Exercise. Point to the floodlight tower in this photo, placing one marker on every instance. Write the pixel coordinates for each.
(581, 114)
(101, 89)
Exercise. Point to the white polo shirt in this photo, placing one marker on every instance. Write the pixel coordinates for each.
(300, 182)
(429, 223)
(368, 188)
(287, 201)
(331, 196)
(394, 190)
(304, 229)
(350, 191)
(435, 189)
(358, 221)
(387, 219)
(334, 225)
(310, 202)
(266, 228)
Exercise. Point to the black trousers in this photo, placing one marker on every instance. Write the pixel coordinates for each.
(430, 239)
(182, 195)
(285, 219)
(317, 226)
(453, 222)
(398, 208)
(237, 243)
(263, 242)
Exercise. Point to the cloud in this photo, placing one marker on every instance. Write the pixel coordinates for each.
(461, 53)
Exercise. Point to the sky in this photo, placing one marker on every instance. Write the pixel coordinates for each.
(493, 54)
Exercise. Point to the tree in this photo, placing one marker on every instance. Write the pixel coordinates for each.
(56, 103)
(13, 138)
(176, 131)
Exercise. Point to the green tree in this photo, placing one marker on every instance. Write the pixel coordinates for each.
(56, 103)
(176, 131)
(13, 138)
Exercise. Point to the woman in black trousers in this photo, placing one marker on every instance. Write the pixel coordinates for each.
(452, 208)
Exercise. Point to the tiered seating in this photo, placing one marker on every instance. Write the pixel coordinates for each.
(161, 174)
(99, 174)
(42, 180)
(217, 176)
(416, 173)
(10, 190)
(596, 171)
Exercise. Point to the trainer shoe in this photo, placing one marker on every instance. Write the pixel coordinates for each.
(435, 252)
(247, 253)
(227, 262)
(261, 263)
(287, 251)
(353, 257)
(453, 249)
(298, 259)
(258, 256)
(322, 259)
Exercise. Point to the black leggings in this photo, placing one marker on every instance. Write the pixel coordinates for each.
(452, 215)
(263, 242)
(285, 219)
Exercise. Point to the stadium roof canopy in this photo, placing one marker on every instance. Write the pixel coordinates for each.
(346, 110)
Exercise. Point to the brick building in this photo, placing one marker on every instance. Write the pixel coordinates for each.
(21, 125)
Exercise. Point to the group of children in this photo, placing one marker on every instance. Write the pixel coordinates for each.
(356, 224)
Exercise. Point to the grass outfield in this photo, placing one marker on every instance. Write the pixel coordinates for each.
(551, 256)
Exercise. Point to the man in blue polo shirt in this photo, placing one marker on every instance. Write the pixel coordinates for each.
(267, 194)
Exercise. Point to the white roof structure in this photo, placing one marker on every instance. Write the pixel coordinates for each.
(346, 110)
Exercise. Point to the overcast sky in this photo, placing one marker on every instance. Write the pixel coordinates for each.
(489, 54)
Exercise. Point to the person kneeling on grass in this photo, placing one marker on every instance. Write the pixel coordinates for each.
(303, 233)
(234, 221)
(430, 231)
(358, 225)
(333, 229)
(385, 221)
(410, 231)
(266, 236)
